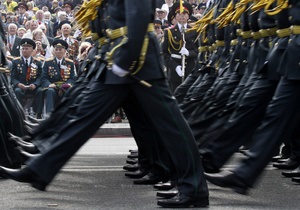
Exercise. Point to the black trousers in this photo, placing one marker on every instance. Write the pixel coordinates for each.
(161, 109)
(280, 121)
(199, 122)
(241, 125)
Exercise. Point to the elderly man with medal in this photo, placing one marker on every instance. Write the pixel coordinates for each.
(58, 75)
(26, 75)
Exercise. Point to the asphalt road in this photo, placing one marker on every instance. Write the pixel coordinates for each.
(94, 179)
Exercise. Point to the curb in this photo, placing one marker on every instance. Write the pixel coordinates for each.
(114, 129)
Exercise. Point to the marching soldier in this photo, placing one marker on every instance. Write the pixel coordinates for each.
(179, 45)
(129, 65)
(58, 74)
(26, 75)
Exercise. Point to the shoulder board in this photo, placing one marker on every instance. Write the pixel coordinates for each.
(68, 59)
(36, 59)
(16, 58)
(57, 37)
(49, 59)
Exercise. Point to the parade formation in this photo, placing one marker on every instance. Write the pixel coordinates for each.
(197, 80)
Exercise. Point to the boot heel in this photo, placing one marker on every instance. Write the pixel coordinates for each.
(39, 186)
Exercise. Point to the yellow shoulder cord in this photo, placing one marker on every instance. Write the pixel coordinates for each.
(221, 19)
(110, 54)
(143, 54)
(258, 5)
(87, 12)
(173, 42)
(281, 4)
(240, 8)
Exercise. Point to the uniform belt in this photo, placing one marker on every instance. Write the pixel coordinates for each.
(102, 41)
(176, 56)
(233, 42)
(256, 35)
(284, 32)
(238, 32)
(267, 32)
(119, 32)
(220, 43)
(246, 34)
(202, 49)
(295, 29)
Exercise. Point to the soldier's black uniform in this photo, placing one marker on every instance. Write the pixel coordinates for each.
(281, 118)
(107, 94)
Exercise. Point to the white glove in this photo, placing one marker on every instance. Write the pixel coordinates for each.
(184, 51)
(77, 34)
(179, 71)
(119, 71)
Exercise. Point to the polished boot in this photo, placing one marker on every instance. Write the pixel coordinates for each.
(34, 120)
(289, 164)
(24, 175)
(183, 201)
(164, 186)
(133, 155)
(131, 167)
(137, 174)
(39, 116)
(134, 150)
(208, 166)
(131, 161)
(229, 180)
(168, 194)
(26, 155)
(150, 178)
(23, 139)
(294, 173)
(30, 124)
(279, 157)
(296, 179)
(26, 146)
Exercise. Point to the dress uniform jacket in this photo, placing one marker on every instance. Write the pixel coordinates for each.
(19, 72)
(291, 69)
(52, 74)
(172, 57)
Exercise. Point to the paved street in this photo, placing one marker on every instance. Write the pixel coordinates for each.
(94, 179)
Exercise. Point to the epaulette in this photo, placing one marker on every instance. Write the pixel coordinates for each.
(16, 58)
(39, 59)
(57, 37)
(49, 59)
(10, 57)
(68, 59)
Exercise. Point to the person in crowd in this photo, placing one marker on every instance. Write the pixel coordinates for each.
(162, 16)
(10, 5)
(13, 41)
(26, 75)
(20, 32)
(58, 75)
(22, 8)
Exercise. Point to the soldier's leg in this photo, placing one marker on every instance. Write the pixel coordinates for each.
(242, 123)
(86, 120)
(281, 120)
(162, 111)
